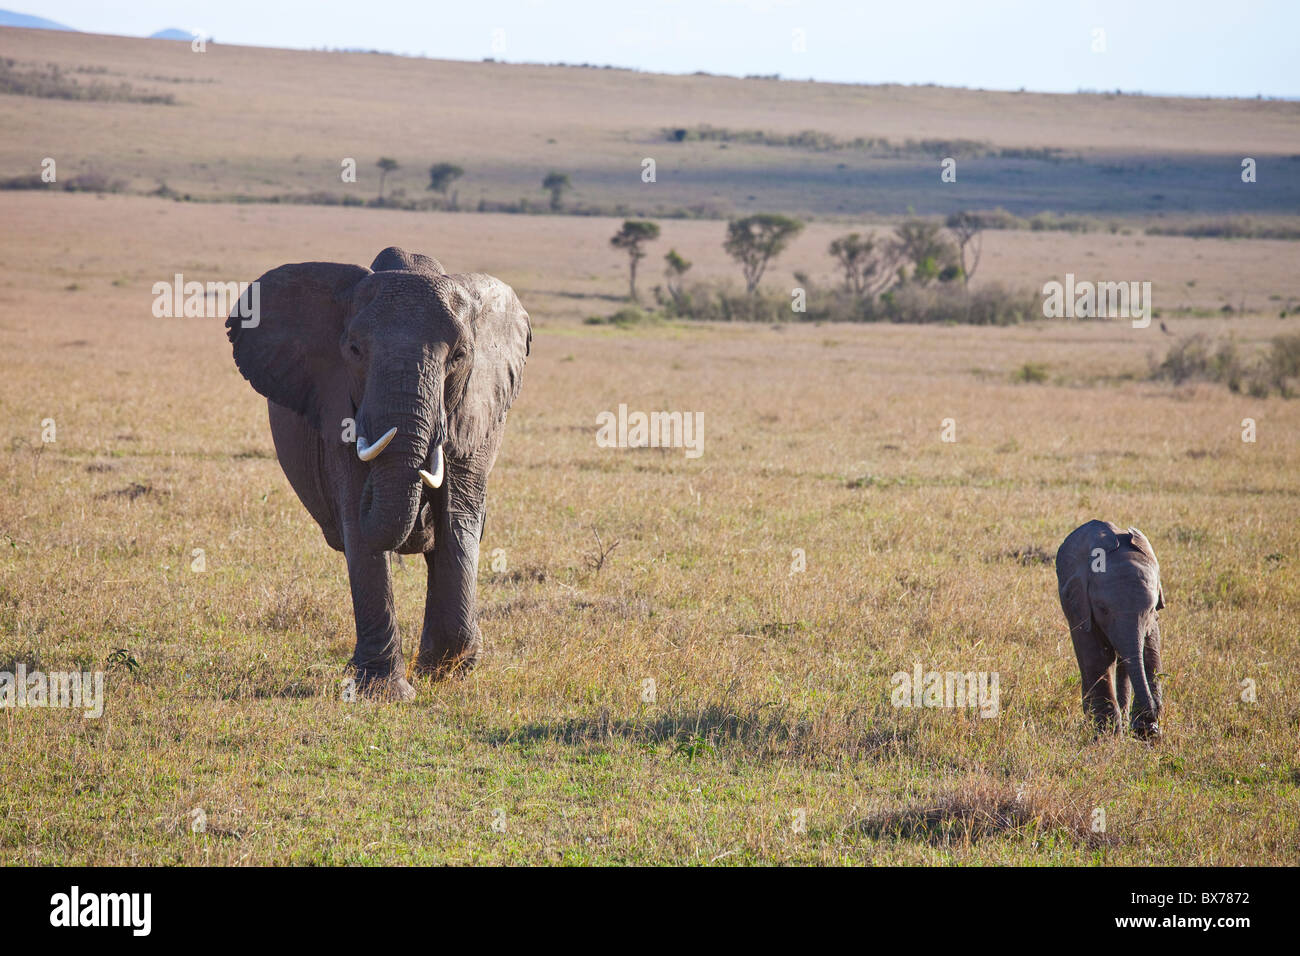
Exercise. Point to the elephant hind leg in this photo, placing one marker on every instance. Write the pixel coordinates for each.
(1151, 660)
(1096, 659)
(1099, 700)
(1131, 645)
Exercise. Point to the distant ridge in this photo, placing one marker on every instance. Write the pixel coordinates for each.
(9, 18)
(174, 33)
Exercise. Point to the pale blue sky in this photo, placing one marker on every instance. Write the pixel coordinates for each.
(1215, 47)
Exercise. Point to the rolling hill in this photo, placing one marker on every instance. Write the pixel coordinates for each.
(263, 123)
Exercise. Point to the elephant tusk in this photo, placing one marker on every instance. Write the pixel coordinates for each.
(434, 480)
(370, 452)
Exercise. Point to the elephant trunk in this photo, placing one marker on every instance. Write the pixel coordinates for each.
(1128, 637)
(390, 499)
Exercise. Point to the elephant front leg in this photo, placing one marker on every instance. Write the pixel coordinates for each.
(380, 667)
(450, 642)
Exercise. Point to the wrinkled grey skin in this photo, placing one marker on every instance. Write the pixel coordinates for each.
(401, 344)
(1113, 622)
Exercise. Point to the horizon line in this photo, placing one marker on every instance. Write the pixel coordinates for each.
(773, 77)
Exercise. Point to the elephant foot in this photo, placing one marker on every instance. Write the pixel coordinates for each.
(1107, 722)
(1147, 729)
(391, 686)
(443, 663)
(449, 651)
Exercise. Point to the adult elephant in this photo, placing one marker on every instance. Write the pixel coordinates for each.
(1109, 584)
(388, 390)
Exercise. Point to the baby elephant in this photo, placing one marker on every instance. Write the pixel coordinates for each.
(1109, 582)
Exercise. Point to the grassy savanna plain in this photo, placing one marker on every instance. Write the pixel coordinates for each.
(772, 687)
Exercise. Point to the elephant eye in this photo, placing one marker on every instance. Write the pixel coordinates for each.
(356, 352)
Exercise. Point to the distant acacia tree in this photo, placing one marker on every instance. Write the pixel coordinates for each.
(557, 184)
(968, 228)
(931, 253)
(386, 165)
(632, 239)
(442, 175)
(756, 240)
(868, 264)
(676, 269)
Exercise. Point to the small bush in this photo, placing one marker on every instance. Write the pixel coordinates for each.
(91, 182)
(1031, 373)
(1282, 363)
(94, 182)
(723, 302)
(950, 302)
(1197, 358)
(991, 304)
(1237, 227)
(31, 181)
(1048, 222)
(626, 317)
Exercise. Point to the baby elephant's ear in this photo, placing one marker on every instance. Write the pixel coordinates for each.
(1141, 543)
(1073, 590)
(1106, 538)
(286, 330)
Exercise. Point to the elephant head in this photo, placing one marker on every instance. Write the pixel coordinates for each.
(421, 364)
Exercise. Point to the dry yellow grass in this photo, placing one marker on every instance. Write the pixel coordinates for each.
(772, 687)
(772, 704)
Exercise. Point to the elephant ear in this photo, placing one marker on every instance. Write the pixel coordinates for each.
(1142, 544)
(502, 337)
(1139, 541)
(394, 258)
(1072, 587)
(289, 348)
(1105, 537)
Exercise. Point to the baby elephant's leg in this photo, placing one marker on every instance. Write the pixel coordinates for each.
(1095, 660)
(1123, 689)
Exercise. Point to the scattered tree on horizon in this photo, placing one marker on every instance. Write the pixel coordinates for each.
(868, 264)
(756, 240)
(632, 238)
(676, 269)
(442, 175)
(969, 230)
(557, 184)
(931, 254)
(386, 165)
